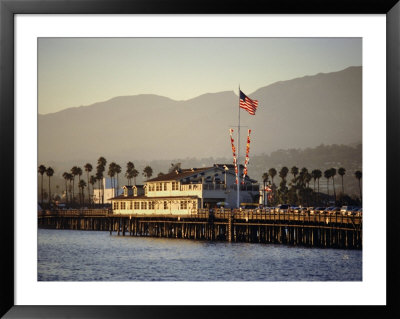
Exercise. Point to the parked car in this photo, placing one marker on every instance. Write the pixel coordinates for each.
(317, 210)
(353, 211)
(283, 208)
(329, 208)
(301, 210)
(345, 210)
(333, 210)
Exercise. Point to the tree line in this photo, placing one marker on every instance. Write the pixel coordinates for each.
(298, 191)
(74, 198)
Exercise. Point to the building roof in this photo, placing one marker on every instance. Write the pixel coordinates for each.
(229, 166)
(179, 174)
(147, 197)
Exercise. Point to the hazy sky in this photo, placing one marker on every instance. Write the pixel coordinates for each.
(81, 71)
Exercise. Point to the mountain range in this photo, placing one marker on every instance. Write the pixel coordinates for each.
(325, 108)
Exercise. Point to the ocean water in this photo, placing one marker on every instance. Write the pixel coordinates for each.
(72, 255)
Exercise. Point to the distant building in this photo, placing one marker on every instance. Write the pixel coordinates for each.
(109, 192)
(185, 190)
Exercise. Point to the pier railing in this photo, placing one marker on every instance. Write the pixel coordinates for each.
(246, 215)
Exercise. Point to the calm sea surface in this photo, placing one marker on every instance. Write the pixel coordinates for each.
(72, 255)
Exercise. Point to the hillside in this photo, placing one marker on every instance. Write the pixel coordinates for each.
(298, 113)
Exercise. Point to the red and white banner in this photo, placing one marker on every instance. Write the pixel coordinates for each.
(234, 154)
(246, 161)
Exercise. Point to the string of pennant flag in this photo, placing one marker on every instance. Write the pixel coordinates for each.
(234, 154)
(246, 161)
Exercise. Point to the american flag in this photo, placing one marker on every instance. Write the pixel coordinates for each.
(248, 104)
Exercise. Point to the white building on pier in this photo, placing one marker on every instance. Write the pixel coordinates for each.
(185, 190)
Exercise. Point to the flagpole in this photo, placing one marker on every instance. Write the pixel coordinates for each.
(238, 156)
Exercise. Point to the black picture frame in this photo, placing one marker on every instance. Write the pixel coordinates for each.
(8, 8)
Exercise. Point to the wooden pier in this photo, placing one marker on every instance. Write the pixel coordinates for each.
(253, 226)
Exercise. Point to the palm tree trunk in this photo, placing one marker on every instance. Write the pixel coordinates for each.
(79, 192)
(264, 195)
(42, 191)
(327, 185)
(49, 191)
(102, 192)
(99, 190)
(334, 191)
(342, 186)
(117, 186)
(71, 193)
(88, 188)
(73, 190)
(66, 192)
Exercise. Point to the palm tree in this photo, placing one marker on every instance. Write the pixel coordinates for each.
(358, 175)
(318, 175)
(272, 172)
(79, 173)
(117, 171)
(342, 172)
(92, 180)
(88, 169)
(82, 185)
(49, 173)
(265, 181)
(101, 166)
(307, 179)
(283, 173)
(41, 171)
(71, 179)
(147, 172)
(314, 177)
(129, 170)
(74, 172)
(327, 175)
(111, 173)
(99, 178)
(135, 173)
(66, 177)
(294, 170)
(333, 174)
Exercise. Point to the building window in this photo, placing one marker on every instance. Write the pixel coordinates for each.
(122, 205)
(136, 205)
(194, 204)
(165, 204)
(158, 187)
(143, 205)
(174, 186)
(183, 204)
(115, 206)
(151, 187)
(151, 205)
(130, 205)
(165, 186)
